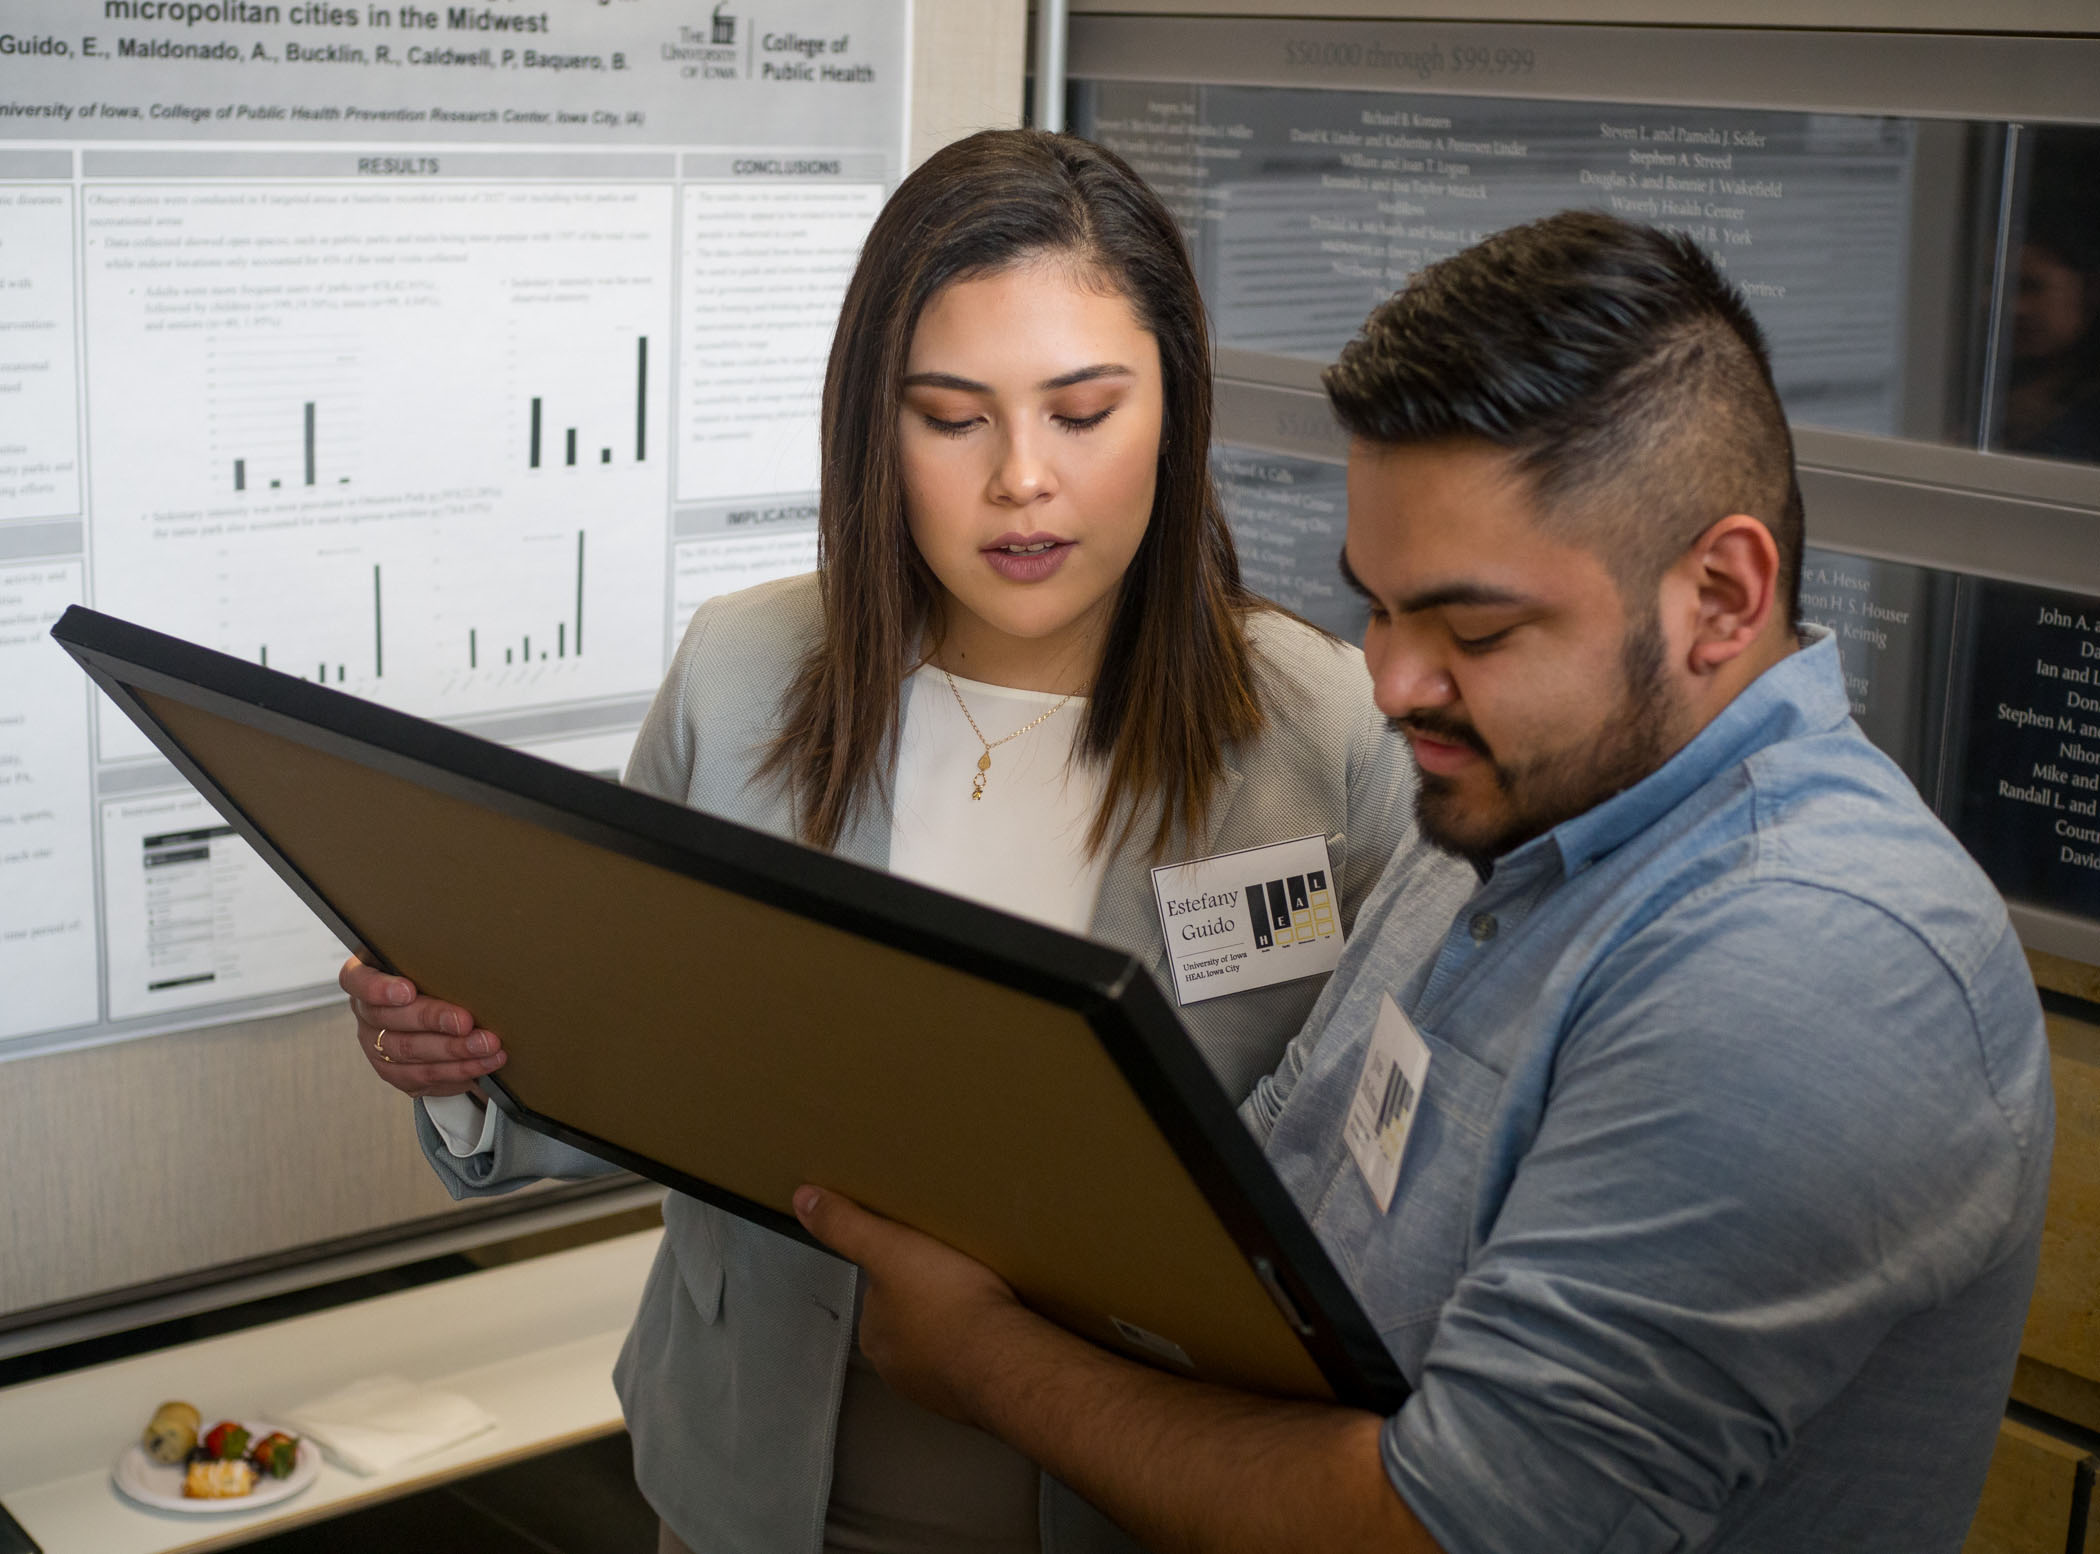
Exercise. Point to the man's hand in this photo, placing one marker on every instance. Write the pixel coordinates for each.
(1180, 1464)
(929, 1311)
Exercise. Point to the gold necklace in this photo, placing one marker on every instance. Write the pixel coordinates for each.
(984, 762)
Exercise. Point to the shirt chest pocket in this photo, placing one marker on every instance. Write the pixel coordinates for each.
(1405, 1262)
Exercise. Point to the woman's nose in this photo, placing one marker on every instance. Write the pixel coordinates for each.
(1024, 473)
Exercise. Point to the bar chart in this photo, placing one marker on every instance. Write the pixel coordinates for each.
(539, 434)
(566, 639)
(375, 666)
(284, 416)
(367, 626)
(414, 458)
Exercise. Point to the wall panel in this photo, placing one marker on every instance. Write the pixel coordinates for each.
(143, 1160)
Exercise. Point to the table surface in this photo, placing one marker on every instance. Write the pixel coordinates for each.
(531, 1342)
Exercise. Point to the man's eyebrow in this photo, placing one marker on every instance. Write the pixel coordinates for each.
(1440, 597)
(950, 380)
(1354, 583)
(1462, 595)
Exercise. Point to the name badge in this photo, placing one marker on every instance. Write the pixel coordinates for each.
(1239, 921)
(1382, 1113)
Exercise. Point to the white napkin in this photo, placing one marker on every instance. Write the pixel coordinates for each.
(375, 1425)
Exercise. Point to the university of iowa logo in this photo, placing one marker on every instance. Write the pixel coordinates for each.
(725, 26)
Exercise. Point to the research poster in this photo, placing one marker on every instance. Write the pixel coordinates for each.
(447, 355)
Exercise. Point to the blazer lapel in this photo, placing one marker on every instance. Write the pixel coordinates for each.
(1126, 915)
(867, 840)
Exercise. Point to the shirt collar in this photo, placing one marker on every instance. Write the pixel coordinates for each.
(1803, 693)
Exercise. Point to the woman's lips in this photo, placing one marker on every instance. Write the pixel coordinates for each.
(1027, 558)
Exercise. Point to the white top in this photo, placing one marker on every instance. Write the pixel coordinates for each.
(1020, 848)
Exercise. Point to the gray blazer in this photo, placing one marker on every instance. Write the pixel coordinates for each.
(731, 1376)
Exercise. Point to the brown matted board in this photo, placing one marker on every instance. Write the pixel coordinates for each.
(734, 1015)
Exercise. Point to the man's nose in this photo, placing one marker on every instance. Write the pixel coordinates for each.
(1406, 676)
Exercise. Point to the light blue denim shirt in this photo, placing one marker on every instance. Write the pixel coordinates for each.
(1721, 1211)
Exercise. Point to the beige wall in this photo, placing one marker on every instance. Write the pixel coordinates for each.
(968, 61)
(150, 1159)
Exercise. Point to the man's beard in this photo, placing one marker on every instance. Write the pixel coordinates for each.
(1541, 791)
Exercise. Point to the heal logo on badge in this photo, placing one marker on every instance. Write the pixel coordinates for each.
(1297, 910)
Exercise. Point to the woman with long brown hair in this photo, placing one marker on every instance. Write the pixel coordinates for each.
(1025, 672)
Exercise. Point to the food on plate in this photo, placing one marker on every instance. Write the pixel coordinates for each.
(209, 1478)
(229, 1461)
(275, 1455)
(225, 1441)
(171, 1432)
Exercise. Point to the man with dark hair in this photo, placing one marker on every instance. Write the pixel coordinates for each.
(1720, 1209)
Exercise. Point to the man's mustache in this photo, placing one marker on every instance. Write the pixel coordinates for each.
(1449, 730)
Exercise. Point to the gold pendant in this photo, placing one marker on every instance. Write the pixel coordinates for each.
(984, 764)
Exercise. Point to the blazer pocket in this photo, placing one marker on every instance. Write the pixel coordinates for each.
(689, 1230)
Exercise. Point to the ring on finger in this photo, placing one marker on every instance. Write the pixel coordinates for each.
(379, 1045)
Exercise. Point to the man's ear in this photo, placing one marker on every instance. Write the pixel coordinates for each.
(1729, 578)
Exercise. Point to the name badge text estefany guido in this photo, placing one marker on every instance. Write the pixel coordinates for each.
(1239, 921)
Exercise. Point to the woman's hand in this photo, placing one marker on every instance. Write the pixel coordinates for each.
(428, 1047)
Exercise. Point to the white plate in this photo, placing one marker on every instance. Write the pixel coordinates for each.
(159, 1485)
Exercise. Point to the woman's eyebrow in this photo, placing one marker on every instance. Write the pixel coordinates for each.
(1087, 375)
(950, 380)
(947, 380)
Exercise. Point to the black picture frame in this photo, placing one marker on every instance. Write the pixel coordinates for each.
(1120, 1003)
